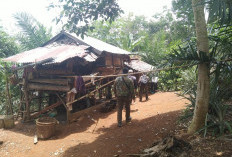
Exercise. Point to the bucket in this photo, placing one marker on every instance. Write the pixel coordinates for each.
(9, 121)
(45, 127)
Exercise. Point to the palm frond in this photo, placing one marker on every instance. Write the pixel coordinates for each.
(33, 34)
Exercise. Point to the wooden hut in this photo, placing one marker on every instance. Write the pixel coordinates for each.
(48, 74)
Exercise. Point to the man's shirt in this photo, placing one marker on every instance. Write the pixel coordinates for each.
(121, 88)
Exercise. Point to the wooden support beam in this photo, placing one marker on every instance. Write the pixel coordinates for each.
(26, 95)
(39, 86)
(54, 72)
(46, 109)
(51, 81)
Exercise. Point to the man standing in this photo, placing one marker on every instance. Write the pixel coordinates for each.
(154, 84)
(143, 86)
(124, 91)
(133, 78)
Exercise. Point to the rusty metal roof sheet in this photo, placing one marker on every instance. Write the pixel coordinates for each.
(139, 65)
(58, 54)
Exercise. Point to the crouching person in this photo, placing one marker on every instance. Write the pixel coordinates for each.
(124, 91)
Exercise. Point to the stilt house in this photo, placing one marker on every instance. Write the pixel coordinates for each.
(48, 74)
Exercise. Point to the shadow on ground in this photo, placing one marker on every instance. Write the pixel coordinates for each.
(129, 139)
(63, 129)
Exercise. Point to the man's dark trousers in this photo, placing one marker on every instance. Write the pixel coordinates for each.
(143, 89)
(123, 101)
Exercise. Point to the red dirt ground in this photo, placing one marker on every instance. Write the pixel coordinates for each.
(96, 134)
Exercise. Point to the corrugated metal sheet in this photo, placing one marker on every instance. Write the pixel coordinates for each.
(101, 46)
(58, 53)
(139, 65)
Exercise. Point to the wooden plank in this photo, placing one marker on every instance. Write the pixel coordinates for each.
(46, 109)
(39, 86)
(51, 81)
(54, 72)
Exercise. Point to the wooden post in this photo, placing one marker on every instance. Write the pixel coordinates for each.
(9, 106)
(68, 113)
(100, 90)
(39, 100)
(26, 94)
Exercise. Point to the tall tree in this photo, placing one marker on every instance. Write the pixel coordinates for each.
(203, 85)
(80, 14)
(33, 34)
(218, 10)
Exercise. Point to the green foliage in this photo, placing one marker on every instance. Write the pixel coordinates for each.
(217, 122)
(33, 34)
(127, 33)
(8, 45)
(5, 74)
(152, 40)
(219, 10)
(184, 14)
(80, 14)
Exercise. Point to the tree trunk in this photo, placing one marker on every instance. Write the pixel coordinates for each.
(203, 86)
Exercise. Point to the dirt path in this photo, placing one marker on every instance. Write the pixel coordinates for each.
(97, 135)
